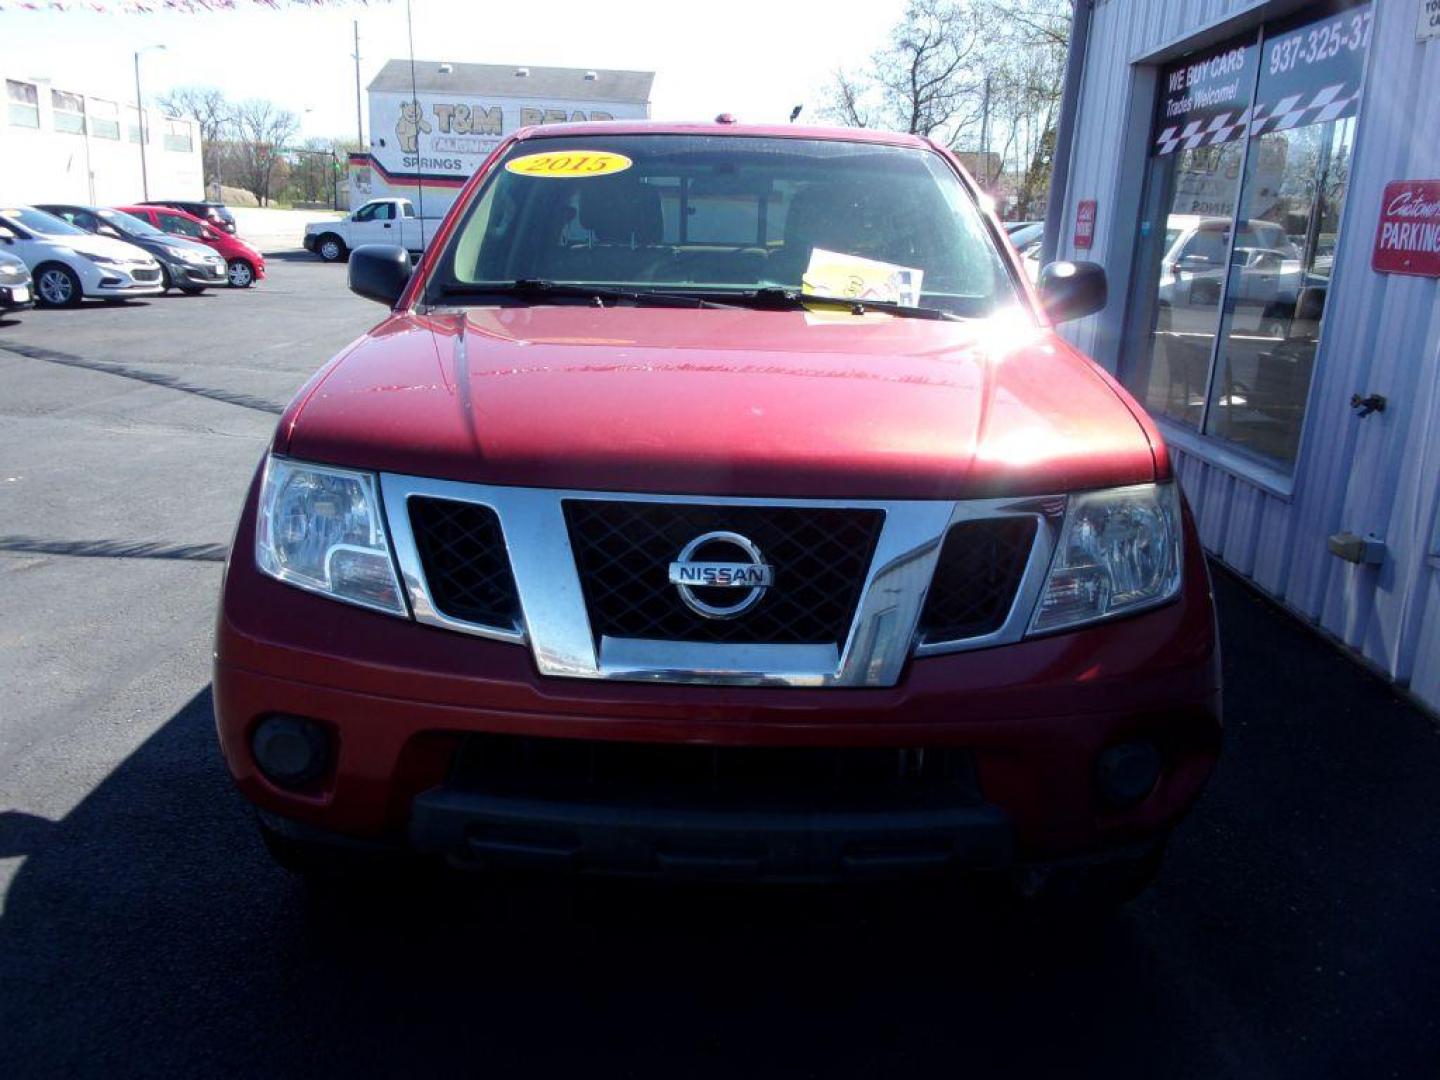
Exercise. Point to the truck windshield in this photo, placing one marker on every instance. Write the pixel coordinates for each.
(729, 215)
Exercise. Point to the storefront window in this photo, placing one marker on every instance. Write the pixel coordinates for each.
(24, 103)
(69, 112)
(135, 118)
(1248, 173)
(104, 119)
(177, 135)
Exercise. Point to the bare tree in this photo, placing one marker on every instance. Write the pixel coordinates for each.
(1028, 54)
(215, 116)
(317, 168)
(981, 76)
(262, 129)
(923, 80)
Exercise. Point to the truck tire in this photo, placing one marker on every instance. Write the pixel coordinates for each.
(331, 248)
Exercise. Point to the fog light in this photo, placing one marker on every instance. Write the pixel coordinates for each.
(1125, 774)
(290, 750)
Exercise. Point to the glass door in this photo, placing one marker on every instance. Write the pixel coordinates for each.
(1247, 177)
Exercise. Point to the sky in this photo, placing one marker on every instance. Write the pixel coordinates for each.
(756, 59)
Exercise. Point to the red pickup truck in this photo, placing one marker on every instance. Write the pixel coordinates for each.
(718, 501)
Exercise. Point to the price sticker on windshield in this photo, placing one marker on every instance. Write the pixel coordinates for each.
(569, 164)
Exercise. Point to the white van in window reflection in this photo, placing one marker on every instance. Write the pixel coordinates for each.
(1192, 271)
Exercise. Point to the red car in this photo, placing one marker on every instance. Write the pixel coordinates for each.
(246, 264)
(718, 501)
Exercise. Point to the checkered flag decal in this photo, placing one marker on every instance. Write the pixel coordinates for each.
(1328, 103)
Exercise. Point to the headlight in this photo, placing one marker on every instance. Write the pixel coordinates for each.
(321, 529)
(103, 260)
(1119, 552)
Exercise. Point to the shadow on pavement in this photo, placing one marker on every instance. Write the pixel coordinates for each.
(1293, 933)
(154, 378)
(114, 549)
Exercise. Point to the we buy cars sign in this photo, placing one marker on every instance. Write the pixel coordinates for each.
(1408, 238)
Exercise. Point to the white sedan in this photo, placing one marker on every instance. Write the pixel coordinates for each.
(69, 264)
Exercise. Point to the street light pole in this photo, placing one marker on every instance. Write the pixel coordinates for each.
(140, 125)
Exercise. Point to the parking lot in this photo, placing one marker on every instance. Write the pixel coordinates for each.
(1293, 932)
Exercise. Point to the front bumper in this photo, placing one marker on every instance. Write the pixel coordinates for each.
(191, 276)
(400, 700)
(309, 242)
(488, 830)
(98, 279)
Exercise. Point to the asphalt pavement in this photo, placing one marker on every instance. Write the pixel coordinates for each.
(1293, 933)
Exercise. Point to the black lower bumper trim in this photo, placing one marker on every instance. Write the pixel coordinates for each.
(646, 840)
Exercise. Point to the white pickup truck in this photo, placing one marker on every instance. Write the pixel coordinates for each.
(379, 221)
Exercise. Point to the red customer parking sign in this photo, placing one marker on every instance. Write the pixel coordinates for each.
(1408, 238)
(1085, 224)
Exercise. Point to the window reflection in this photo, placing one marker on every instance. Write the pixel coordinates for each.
(1196, 187)
(1233, 271)
(1294, 189)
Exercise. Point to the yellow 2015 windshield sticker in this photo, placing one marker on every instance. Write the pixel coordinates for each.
(569, 164)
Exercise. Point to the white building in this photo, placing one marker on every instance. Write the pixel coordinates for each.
(64, 142)
(428, 137)
(1264, 349)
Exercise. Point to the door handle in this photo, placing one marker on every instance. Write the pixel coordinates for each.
(387, 224)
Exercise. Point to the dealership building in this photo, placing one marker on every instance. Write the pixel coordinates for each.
(433, 123)
(80, 143)
(1262, 183)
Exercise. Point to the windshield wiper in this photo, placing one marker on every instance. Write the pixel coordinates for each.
(541, 289)
(780, 297)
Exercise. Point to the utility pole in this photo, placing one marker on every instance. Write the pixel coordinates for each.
(140, 124)
(359, 124)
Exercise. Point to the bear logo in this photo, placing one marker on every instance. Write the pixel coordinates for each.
(408, 128)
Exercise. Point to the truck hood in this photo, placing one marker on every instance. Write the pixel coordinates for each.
(789, 404)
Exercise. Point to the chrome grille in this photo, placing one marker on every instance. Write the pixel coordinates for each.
(820, 556)
(976, 578)
(463, 553)
(561, 576)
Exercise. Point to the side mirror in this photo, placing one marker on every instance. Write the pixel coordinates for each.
(6, 236)
(1071, 290)
(379, 272)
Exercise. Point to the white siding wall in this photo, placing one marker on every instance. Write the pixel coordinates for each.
(45, 165)
(1381, 335)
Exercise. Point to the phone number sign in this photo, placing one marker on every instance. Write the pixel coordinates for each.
(1407, 240)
